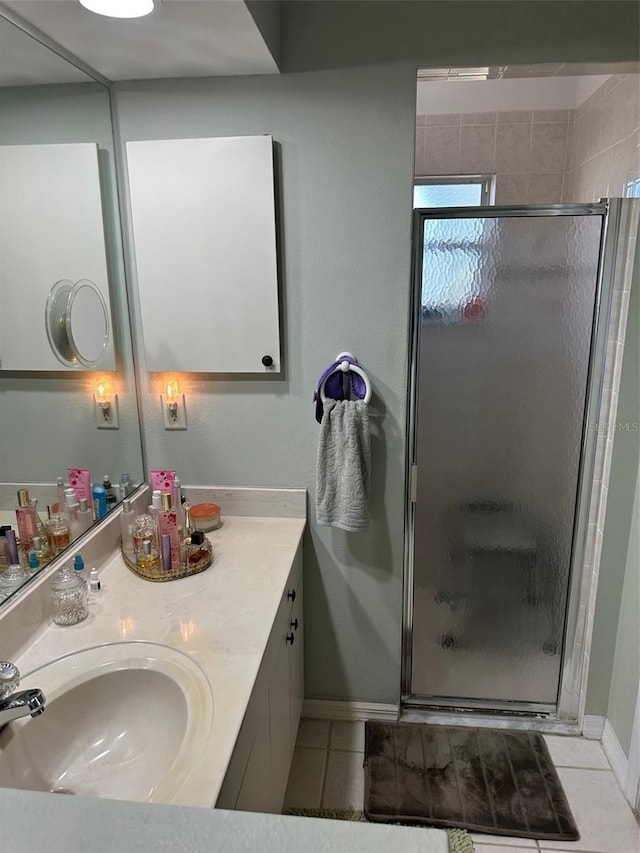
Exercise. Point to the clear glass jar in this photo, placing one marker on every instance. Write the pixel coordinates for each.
(11, 579)
(69, 598)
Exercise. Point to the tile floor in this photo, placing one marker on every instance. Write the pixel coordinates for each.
(327, 773)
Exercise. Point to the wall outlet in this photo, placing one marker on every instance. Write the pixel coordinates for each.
(106, 415)
(174, 415)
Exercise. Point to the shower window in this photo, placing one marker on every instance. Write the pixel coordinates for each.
(459, 191)
(453, 290)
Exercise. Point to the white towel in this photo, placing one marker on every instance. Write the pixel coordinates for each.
(344, 465)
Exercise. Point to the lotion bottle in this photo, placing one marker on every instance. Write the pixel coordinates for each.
(71, 511)
(99, 501)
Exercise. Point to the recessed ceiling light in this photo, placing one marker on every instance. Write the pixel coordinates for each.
(119, 8)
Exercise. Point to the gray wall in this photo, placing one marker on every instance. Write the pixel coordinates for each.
(46, 419)
(346, 33)
(345, 156)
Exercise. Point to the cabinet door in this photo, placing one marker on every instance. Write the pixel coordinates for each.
(51, 229)
(296, 664)
(279, 718)
(203, 213)
(255, 792)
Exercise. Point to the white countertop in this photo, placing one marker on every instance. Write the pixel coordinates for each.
(221, 618)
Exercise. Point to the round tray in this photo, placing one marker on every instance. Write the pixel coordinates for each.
(158, 575)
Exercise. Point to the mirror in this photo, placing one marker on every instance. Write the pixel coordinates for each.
(78, 413)
(77, 323)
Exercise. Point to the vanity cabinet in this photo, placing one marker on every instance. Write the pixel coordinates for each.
(256, 779)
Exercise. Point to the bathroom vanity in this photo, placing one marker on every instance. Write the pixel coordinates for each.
(240, 621)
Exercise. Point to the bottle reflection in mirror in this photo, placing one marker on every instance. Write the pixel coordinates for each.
(27, 518)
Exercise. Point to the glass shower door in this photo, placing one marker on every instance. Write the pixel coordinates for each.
(504, 339)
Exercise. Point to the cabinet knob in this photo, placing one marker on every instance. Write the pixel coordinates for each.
(291, 638)
(291, 595)
(267, 360)
(294, 624)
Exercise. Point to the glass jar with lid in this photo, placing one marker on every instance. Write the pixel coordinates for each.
(69, 598)
(11, 579)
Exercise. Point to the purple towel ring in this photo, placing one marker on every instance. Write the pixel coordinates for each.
(346, 367)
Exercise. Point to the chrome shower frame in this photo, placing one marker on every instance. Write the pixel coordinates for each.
(566, 715)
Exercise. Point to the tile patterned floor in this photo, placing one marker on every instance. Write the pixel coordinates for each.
(327, 773)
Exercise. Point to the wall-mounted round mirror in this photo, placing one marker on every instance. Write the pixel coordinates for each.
(77, 323)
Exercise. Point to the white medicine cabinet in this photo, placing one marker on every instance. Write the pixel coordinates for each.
(55, 311)
(204, 234)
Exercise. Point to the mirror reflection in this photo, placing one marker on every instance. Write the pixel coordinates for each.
(69, 432)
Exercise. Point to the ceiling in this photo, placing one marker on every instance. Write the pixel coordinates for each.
(181, 38)
(558, 86)
(26, 62)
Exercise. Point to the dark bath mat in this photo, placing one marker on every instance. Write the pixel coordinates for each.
(485, 780)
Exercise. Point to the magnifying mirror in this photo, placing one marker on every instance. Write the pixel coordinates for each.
(77, 323)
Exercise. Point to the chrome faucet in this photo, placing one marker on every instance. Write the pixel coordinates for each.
(17, 704)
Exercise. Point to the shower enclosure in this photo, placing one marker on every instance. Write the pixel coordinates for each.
(509, 306)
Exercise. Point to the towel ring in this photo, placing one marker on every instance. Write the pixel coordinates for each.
(345, 367)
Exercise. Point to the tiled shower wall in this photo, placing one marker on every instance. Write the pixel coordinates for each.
(605, 134)
(525, 150)
(544, 156)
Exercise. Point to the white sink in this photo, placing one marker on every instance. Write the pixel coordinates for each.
(124, 721)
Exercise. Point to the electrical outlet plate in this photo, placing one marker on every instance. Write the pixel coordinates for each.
(177, 420)
(106, 418)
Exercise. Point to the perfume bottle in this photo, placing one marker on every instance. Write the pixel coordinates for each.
(61, 487)
(43, 533)
(197, 549)
(188, 527)
(27, 517)
(178, 506)
(59, 531)
(168, 524)
(34, 562)
(85, 515)
(149, 558)
(42, 550)
(144, 528)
